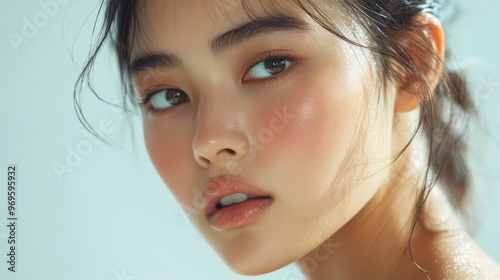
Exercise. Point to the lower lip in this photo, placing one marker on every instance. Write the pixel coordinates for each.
(239, 215)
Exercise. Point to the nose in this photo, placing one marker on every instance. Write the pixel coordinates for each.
(221, 135)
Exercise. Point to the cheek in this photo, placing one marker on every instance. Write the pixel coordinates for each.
(169, 152)
(319, 153)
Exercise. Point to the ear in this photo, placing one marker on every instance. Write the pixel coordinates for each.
(430, 63)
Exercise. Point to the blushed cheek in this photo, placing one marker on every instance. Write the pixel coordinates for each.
(170, 156)
(313, 150)
(322, 128)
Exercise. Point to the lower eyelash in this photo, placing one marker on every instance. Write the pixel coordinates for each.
(278, 77)
(143, 100)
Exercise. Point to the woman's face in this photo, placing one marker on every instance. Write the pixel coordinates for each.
(284, 106)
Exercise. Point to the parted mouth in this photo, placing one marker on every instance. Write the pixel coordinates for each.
(228, 191)
(236, 198)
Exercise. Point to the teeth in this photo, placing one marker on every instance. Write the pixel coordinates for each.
(234, 198)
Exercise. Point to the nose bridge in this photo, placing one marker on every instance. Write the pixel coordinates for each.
(221, 133)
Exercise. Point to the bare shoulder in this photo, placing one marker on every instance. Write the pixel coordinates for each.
(464, 260)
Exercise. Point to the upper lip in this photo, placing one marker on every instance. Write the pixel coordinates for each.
(221, 186)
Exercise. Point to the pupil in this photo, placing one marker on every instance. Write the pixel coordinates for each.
(275, 66)
(174, 97)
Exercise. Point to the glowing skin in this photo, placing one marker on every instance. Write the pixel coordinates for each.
(316, 138)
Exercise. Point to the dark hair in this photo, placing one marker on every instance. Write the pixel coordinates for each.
(387, 23)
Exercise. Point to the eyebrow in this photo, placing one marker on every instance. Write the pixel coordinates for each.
(223, 42)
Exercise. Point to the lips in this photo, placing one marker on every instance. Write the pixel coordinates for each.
(238, 214)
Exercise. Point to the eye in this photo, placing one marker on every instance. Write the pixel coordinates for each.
(268, 68)
(164, 99)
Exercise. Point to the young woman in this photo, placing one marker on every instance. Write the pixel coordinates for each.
(326, 133)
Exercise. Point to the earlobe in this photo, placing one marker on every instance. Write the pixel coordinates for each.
(430, 63)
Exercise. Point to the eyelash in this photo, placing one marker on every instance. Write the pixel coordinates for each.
(143, 101)
(272, 56)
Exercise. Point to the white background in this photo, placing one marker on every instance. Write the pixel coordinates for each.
(111, 217)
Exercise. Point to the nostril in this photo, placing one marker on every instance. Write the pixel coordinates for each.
(204, 162)
(228, 151)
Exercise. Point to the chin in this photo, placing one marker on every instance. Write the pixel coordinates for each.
(252, 264)
(251, 253)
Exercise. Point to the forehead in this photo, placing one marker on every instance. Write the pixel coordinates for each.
(186, 24)
(176, 14)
